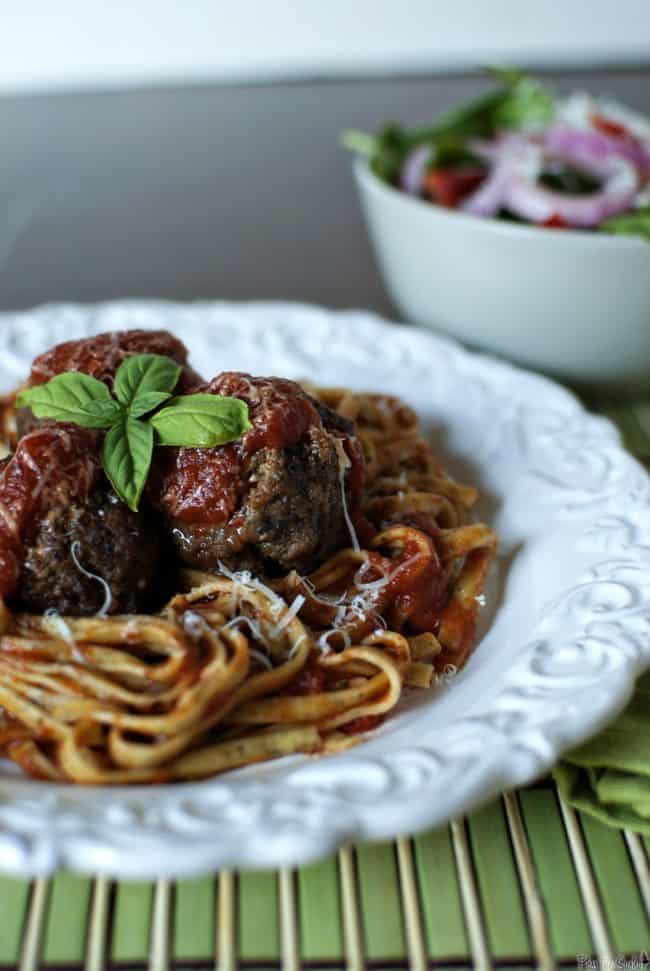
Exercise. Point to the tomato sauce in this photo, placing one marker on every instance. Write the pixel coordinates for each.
(460, 626)
(312, 680)
(365, 723)
(100, 356)
(55, 464)
(417, 588)
(422, 598)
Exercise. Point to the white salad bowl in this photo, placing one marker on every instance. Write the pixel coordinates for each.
(574, 304)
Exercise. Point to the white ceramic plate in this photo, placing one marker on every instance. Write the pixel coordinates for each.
(566, 632)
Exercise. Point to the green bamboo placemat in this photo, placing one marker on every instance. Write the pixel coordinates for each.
(525, 882)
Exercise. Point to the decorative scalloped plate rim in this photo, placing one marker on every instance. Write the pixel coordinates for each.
(569, 607)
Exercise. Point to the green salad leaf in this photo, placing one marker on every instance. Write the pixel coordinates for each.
(519, 101)
(636, 223)
(524, 103)
(450, 150)
(142, 384)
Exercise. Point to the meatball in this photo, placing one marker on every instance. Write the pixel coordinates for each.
(100, 356)
(89, 556)
(275, 500)
(66, 542)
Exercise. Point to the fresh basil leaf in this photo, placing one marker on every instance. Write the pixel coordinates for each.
(145, 372)
(73, 397)
(201, 421)
(106, 412)
(126, 457)
(146, 401)
(635, 223)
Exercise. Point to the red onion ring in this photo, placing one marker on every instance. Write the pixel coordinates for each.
(591, 148)
(516, 167)
(537, 204)
(414, 168)
(511, 157)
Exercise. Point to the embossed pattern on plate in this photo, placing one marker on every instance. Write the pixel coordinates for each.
(567, 627)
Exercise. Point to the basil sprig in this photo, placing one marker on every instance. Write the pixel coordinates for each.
(142, 384)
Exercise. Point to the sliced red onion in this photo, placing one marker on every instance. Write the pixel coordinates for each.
(488, 198)
(513, 184)
(486, 151)
(592, 149)
(414, 168)
(537, 204)
(490, 151)
(620, 179)
(516, 157)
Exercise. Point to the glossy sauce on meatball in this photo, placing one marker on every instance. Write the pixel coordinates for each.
(66, 542)
(100, 356)
(54, 465)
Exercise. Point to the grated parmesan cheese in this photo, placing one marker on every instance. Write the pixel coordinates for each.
(370, 584)
(448, 674)
(108, 596)
(55, 624)
(289, 615)
(194, 625)
(245, 579)
(344, 465)
(253, 627)
(294, 650)
(321, 598)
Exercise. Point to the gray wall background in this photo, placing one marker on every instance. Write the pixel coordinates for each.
(225, 191)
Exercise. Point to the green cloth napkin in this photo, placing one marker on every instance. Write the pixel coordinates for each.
(609, 776)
